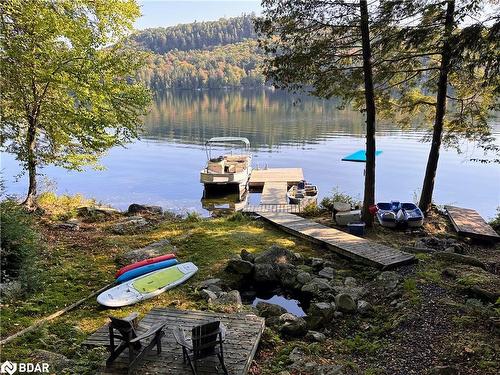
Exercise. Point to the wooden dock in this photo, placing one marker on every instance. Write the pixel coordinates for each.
(274, 192)
(274, 184)
(353, 247)
(242, 338)
(469, 223)
(289, 175)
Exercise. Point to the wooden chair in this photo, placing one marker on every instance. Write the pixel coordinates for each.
(127, 334)
(206, 340)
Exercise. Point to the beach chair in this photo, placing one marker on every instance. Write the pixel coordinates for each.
(125, 330)
(206, 340)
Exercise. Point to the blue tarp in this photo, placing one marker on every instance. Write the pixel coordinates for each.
(359, 156)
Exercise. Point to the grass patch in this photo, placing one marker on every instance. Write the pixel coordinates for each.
(429, 275)
(361, 344)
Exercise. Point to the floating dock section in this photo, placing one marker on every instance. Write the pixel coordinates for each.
(469, 223)
(289, 175)
(345, 244)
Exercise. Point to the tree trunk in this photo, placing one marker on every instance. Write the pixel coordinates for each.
(369, 193)
(437, 134)
(30, 202)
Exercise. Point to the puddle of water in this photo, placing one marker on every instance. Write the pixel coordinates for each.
(290, 305)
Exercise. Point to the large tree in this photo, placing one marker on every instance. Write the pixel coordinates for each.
(324, 47)
(68, 92)
(449, 51)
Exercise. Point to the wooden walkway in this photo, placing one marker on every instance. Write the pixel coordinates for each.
(274, 192)
(289, 175)
(469, 223)
(242, 338)
(290, 208)
(345, 244)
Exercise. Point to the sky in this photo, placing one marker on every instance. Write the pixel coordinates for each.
(163, 13)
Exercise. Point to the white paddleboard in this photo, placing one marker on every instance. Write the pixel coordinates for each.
(147, 286)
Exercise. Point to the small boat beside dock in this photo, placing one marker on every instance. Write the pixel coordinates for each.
(303, 194)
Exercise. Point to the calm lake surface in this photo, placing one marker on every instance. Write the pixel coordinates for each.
(163, 167)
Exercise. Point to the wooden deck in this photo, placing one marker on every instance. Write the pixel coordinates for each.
(274, 192)
(242, 338)
(353, 247)
(289, 175)
(469, 223)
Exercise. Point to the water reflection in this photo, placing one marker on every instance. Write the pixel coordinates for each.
(268, 118)
(223, 203)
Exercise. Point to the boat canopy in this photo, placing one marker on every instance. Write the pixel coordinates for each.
(228, 140)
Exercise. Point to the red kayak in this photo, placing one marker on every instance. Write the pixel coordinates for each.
(144, 262)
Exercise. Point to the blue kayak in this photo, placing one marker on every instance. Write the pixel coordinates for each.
(132, 274)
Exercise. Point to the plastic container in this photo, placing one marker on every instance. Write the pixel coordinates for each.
(373, 209)
(356, 228)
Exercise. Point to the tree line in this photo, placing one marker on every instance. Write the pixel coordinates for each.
(197, 35)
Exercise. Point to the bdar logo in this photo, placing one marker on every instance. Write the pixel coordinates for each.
(8, 367)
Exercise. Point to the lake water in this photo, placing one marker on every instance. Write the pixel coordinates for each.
(163, 167)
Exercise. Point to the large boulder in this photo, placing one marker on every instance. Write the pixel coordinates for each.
(130, 225)
(270, 311)
(317, 287)
(206, 283)
(240, 266)
(152, 250)
(364, 307)
(350, 286)
(292, 325)
(388, 281)
(303, 278)
(317, 263)
(276, 255)
(231, 298)
(288, 275)
(135, 208)
(264, 273)
(208, 295)
(327, 273)
(345, 303)
(315, 336)
(320, 314)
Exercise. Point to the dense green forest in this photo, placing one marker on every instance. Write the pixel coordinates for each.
(197, 35)
(216, 54)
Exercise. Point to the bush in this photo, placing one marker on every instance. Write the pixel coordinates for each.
(311, 210)
(20, 241)
(193, 217)
(337, 196)
(62, 207)
(495, 223)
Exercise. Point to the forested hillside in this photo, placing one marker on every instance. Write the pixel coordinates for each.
(197, 35)
(216, 54)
